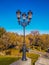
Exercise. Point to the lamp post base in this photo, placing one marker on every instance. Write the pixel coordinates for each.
(24, 52)
(24, 59)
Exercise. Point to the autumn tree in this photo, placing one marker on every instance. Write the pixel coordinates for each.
(2, 31)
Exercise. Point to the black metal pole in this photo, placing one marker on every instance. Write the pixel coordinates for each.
(24, 34)
(24, 46)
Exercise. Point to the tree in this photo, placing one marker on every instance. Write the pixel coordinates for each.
(2, 31)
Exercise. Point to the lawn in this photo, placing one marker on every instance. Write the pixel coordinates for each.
(7, 60)
(4, 60)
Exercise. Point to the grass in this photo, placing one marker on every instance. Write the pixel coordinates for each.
(7, 60)
(4, 60)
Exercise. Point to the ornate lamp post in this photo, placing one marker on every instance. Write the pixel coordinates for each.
(24, 20)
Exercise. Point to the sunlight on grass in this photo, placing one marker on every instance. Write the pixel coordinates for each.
(7, 60)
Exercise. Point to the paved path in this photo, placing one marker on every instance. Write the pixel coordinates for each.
(42, 54)
(20, 62)
(37, 52)
(42, 61)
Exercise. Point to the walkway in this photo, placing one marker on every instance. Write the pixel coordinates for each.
(42, 61)
(20, 62)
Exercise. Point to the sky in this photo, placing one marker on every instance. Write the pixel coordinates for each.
(40, 17)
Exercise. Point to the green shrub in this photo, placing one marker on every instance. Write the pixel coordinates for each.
(33, 57)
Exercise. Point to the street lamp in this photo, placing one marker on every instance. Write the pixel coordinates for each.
(24, 20)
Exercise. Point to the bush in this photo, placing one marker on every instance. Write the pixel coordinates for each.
(8, 52)
(33, 57)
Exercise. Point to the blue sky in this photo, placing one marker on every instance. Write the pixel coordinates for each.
(40, 18)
